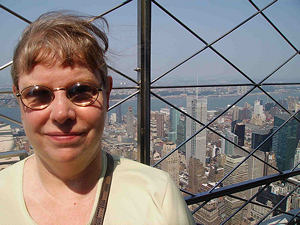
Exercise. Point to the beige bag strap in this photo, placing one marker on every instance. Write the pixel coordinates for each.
(105, 188)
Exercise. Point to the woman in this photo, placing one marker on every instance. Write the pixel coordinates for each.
(60, 79)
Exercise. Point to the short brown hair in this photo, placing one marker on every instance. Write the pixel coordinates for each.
(61, 37)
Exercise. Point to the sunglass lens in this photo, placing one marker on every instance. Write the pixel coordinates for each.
(37, 97)
(82, 94)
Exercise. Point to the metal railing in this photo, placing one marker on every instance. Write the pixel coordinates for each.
(144, 90)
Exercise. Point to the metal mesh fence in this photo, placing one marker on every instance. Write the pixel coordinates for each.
(235, 165)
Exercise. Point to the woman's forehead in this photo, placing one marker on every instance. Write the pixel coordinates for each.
(58, 74)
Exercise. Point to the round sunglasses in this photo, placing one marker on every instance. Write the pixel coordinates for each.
(38, 97)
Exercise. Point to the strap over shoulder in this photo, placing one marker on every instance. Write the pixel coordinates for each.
(104, 194)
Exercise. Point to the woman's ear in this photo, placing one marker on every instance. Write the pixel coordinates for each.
(108, 90)
(15, 90)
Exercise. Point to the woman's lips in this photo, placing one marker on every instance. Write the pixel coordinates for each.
(65, 138)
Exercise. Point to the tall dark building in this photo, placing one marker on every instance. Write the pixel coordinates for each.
(239, 130)
(119, 114)
(269, 106)
(244, 114)
(269, 196)
(181, 132)
(174, 120)
(160, 124)
(285, 141)
(258, 136)
(130, 119)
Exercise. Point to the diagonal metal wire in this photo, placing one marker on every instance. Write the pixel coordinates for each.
(111, 10)
(11, 120)
(256, 85)
(187, 192)
(246, 203)
(203, 41)
(278, 68)
(266, 93)
(221, 114)
(241, 186)
(123, 100)
(236, 69)
(208, 45)
(247, 157)
(278, 204)
(224, 58)
(292, 219)
(91, 20)
(6, 65)
(272, 24)
(259, 181)
(295, 167)
(94, 18)
(122, 74)
(15, 14)
(205, 126)
(262, 205)
(200, 206)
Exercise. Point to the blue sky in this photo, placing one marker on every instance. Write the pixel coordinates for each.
(255, 48)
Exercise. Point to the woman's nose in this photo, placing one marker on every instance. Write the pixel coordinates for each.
(62, 109)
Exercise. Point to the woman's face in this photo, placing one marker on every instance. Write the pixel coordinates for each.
(64, 132)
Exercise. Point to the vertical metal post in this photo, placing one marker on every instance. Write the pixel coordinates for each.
(144, 74)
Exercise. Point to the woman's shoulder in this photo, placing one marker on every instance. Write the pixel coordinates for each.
(134, 172)
(129, 165)
(11, 174)
(10, 187)
(12, 169)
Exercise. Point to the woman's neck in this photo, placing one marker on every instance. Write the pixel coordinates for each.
(52, 200)
(68, 178)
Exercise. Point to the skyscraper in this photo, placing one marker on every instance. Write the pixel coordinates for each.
(174, 120)
(235, 113)
(239, 130)
(171, 164)
(259, 135)
(119, 114)
(196, 175)
(181, 133)
(160, 124)
(285, 141)
(197, 108)
(258, 116)
(130, 123)
(228, 148)
(239, 175)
